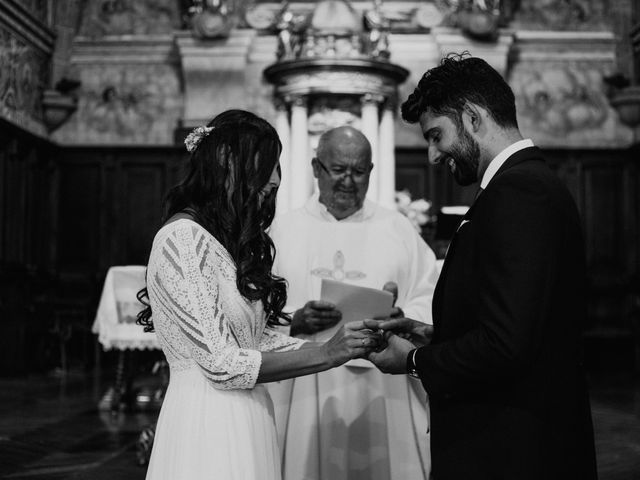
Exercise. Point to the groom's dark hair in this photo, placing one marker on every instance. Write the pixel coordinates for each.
(459, 79)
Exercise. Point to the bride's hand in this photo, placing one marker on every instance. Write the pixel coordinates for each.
(352, 340)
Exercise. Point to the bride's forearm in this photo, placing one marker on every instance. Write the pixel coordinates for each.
(310, 358)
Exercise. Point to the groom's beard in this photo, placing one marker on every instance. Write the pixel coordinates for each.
(466, 155)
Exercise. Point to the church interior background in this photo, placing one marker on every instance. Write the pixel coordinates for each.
(96, 97)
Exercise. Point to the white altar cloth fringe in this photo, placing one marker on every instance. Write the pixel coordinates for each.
(115, 322)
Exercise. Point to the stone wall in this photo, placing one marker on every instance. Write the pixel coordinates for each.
(142, 78)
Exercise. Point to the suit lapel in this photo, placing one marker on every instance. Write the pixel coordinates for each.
(520, 156)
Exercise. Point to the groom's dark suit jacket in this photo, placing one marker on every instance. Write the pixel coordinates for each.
(504, 375)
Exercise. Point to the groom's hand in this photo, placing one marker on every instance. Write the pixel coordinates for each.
(416, 332)
(393, 359)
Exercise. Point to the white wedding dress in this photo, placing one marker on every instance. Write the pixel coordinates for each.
(215, 422)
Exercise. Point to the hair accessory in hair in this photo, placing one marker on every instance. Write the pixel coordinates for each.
(195, 137)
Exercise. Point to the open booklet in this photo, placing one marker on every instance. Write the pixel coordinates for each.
(355, 303)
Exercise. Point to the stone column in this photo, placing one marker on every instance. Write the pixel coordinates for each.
(301, 176)
(284, 132)
(387, 159)
(370, 125)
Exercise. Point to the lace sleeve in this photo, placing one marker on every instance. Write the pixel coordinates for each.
(275, 341)
(198, 311)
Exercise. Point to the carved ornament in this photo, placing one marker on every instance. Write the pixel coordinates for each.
(333, 29)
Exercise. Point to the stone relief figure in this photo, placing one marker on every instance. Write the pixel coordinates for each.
(377, 28)
(119, 112)
(561, 100)
(561, 14)
(129, 104)
(129, 17)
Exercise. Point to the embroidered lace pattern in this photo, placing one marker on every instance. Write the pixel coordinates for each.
(199, 316)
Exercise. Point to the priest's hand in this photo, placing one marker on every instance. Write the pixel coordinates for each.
(392, 287)
(315, 316)
(393, 359)
(418, 333)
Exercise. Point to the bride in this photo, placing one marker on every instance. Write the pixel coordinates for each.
(213, 303)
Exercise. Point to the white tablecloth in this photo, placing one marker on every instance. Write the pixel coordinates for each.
(115, 321)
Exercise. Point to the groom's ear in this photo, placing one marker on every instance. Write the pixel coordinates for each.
(472, 117)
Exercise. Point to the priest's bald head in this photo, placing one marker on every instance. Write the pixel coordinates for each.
(342, 166)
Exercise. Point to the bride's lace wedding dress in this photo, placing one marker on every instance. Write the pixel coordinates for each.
(215, 421)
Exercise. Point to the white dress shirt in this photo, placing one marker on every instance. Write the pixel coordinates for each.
(502, 157)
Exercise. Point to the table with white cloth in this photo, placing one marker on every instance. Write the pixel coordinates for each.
(116, 327)
(115, 322)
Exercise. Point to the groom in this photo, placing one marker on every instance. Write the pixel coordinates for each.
(502, 365)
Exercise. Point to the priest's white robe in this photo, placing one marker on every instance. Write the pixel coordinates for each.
(353, 422)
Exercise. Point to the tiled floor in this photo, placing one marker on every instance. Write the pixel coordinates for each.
(51, 429)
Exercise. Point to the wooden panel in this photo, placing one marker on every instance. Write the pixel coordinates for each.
(79, 215)
(23, 232)
(15, 193)
(144, 188)
(414, 179)
(122, 191)
(603, 216)
(3, 202)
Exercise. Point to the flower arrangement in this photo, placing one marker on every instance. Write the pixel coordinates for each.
(415, 210)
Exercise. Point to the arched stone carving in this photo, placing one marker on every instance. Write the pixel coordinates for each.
(129, 17)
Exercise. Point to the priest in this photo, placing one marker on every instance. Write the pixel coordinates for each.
(352, 422)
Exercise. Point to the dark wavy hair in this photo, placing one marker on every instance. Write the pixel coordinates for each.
(222, 192)
(459, 79)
